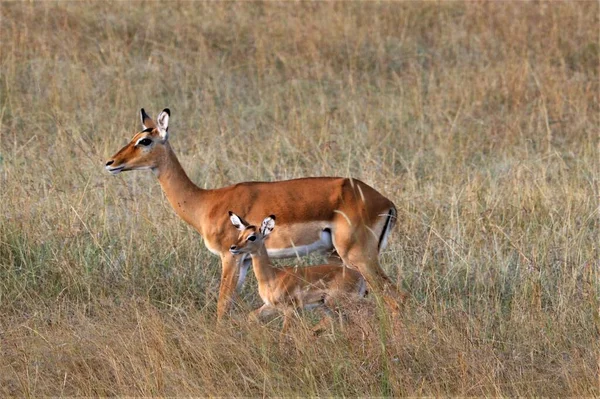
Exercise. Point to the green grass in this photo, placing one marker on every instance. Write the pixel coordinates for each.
(479, 120)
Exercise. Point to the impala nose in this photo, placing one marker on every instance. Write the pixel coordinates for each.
(233, 247)
(110, 162)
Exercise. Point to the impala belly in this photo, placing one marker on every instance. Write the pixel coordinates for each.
(299, 240)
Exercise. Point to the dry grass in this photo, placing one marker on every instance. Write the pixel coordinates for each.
(480, 120)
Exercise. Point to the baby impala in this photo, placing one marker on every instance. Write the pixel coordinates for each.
(291, 288)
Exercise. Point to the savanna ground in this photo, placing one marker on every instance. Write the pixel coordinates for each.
(479, 120)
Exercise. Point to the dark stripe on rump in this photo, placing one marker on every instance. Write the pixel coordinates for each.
(391, 214)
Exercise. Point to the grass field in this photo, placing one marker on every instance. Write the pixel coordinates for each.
(479, 120)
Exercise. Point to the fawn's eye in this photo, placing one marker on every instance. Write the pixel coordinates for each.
(252, 238)
(145, 141)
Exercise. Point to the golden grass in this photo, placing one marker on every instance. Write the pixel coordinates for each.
(480, 120)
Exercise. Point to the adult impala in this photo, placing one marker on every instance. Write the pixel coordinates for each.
(314, 214)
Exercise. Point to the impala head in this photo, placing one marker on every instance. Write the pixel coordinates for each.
(250, 239)
(146, 148)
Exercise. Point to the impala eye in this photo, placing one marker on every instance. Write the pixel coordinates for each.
(145, 142)
(252, 238)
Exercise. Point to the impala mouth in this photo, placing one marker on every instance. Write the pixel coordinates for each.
(235, 251)
(116, 170)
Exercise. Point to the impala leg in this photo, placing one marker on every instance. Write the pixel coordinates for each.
(326, 321)
(254, 316)
(229, 279)
(377, 279)
(258, 314)
(359, 251)
(288, 314)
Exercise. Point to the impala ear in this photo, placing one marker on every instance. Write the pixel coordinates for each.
(237, 221)
(267, 225)
(147, 122)
(162, 122)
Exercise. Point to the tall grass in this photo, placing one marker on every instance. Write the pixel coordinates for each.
(479, 120)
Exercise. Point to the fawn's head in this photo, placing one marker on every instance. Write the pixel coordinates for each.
(146, 148)
(250, 239)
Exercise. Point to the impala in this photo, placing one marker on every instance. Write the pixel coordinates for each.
(291, 288)
(322, 214)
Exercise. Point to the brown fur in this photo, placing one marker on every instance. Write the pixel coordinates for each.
(291, 288)
(353, 211)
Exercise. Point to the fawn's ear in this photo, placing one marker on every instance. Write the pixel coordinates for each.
(267, 225)
(162, 122)
(147, 122)
(237, 221)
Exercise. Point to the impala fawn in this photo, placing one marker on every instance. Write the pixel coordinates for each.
(290, 288)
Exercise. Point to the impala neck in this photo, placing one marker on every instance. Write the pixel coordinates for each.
(181, 192)
(261, 264)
